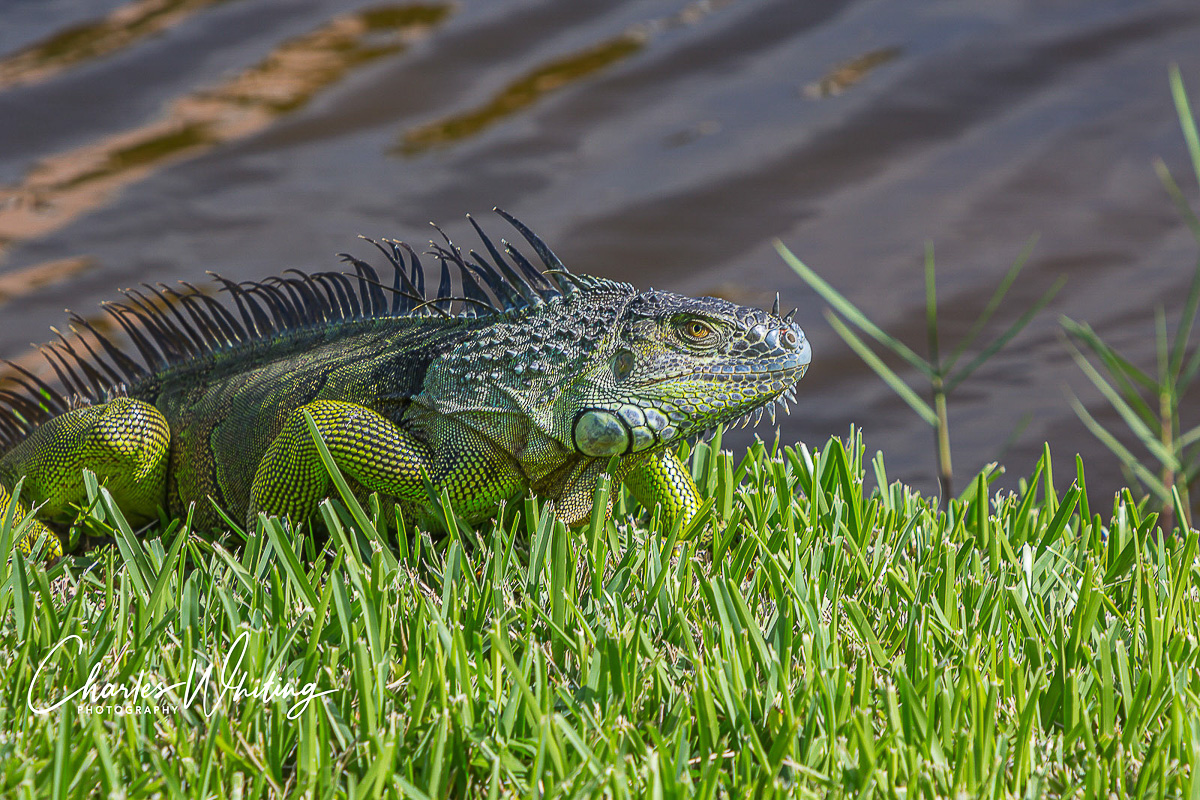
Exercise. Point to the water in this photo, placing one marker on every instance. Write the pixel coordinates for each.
(663, 142)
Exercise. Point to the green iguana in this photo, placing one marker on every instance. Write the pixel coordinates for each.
(518, 380)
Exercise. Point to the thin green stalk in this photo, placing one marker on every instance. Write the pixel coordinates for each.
(942, 383)
(1151, 407)
(942, 441)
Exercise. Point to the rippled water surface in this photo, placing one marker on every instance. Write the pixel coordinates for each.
(662, 142)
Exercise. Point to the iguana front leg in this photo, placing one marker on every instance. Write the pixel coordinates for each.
(664, 480)
(658, 478)
(383, 457)
(124, 442)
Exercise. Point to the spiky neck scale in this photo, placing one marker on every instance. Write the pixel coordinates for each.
(175, 334)
(590, 365)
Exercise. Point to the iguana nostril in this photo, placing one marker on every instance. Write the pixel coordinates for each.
(790, 339)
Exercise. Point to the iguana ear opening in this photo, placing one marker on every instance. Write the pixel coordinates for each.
(622, 365)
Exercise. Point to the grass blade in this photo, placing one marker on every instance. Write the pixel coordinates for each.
(1016, 327)
(851, 312)
(1187, 122)
(1147, 437)
(873, 361)
(993, 303)
(1127, 458)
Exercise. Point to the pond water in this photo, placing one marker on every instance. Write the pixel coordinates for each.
(664, 142)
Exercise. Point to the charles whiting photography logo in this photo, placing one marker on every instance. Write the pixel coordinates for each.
(208, 686)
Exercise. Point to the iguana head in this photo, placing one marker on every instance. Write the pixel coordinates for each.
(683, 365)
(592, 364)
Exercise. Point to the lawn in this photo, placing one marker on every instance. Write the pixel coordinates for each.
(833, 640)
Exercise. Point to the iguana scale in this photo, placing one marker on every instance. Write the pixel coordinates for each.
(517, 380)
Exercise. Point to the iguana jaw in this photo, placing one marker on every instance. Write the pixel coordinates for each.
(707, 398)
(789, 370)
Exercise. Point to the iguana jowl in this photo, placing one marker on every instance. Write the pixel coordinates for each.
(523, 380)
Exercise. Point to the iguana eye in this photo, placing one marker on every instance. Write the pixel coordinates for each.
(696, 330)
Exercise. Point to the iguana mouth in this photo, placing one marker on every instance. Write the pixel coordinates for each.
(772, 373)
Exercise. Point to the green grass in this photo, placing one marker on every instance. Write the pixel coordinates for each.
(834, 643)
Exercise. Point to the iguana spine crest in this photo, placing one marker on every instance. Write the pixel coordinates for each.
(168, 328)
(507, 378)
